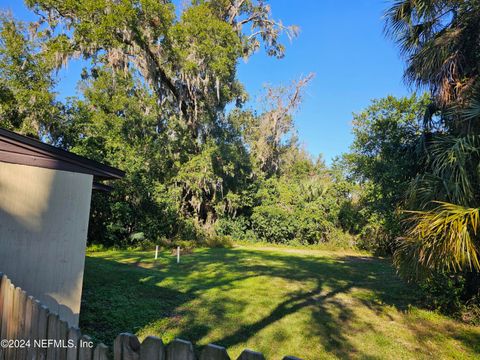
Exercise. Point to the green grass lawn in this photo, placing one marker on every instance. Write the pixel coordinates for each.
(311, 304)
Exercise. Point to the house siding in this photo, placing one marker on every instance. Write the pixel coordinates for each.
(43, 231)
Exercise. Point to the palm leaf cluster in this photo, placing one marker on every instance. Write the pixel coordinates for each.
(444, 238)
(443, 234)
(440, 40)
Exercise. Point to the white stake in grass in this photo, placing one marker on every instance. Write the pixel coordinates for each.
(178, 254)
(156, 252)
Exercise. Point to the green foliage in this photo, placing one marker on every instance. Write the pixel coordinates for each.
(239, 228)
(273, 224)
(27, 102)
(161, 100)
(441, 42)
(204, 42)
(443, 238)
(301, 206)
(219, 241)
(383, 159)
(313, 225)
(444, 292)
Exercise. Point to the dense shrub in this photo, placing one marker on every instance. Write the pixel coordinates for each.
(374, 236)
(452, 293)
(444, 291)
(312, 225)
(238, 228)
(219, 241)
(274, 224)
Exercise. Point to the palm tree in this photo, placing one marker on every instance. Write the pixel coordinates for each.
(441, 42)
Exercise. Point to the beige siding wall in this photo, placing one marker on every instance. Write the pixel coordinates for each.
(43, 231)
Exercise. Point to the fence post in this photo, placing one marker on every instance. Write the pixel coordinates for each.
(52, 334)
(126, 347)
(28, 317)
(180, 350)
(10, 320)
(85, 352)
(32, 326)
(63, 336)
(7, 291)
(251, 355)
(73, 336)
(152, 349)
(21, 352)
(7, 303)
(42, 330)
(100, 352)
(214, 352)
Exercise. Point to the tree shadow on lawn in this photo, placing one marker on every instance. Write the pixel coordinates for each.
(119, 297)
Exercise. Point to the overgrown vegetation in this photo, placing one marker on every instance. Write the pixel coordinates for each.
(420, 157)
(307, 303)
(154, 100)
(160, 99)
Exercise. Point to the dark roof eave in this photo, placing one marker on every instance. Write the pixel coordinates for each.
(101, 187)
(100, 171)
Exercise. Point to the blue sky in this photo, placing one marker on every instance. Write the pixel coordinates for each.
(341, 42)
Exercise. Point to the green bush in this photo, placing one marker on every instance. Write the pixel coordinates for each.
(96, 248)
(375, 237)
(311, 225)
(339, 239)
(184, 244)
(453, 294)
(219, 241)
(273, 224)
(444, 292)
(471, 312)
(238, 228)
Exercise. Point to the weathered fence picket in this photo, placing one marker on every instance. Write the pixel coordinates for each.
(24, 318)
(180, 349)
(85, 352)
(52, 335)
(62, 335)
(43, 313)
(73, 337)
(31, 325)
(251, 355)
(100, 352)
(152, 348)
(214, 352)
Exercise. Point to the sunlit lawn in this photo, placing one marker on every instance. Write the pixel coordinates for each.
(310, 304)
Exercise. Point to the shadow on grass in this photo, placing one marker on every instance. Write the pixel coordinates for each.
(121, 297)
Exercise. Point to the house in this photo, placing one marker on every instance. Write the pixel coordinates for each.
(45, 197)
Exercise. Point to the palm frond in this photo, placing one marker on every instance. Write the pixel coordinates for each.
(445, 238)
(472, 112)
(439, 39)
(453, 159)
(423, 189)
(452, 172)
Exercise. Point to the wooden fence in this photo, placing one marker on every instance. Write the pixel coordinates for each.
(29, 331)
